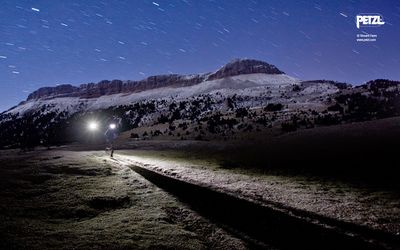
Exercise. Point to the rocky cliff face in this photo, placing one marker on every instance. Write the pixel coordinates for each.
(105, 87)
(61, 90)
(93, 90)
(244, 66)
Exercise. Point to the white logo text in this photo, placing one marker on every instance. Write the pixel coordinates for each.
(369, 20)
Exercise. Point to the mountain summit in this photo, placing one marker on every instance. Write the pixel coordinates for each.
(244, 66)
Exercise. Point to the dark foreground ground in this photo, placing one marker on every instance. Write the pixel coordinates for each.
(77, 197)
(80, 200)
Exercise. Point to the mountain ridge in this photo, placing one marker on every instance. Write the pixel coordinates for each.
(106, 87)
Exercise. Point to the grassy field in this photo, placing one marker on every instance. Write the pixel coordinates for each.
(358, 152)
(60, 199)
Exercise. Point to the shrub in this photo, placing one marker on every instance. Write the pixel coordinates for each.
(134, 136)
(273, 107)
(242, 112)
(288, 127)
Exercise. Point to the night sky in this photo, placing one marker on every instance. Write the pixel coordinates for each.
(49, 42)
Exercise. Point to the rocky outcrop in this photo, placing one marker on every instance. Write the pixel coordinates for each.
(339, 85)
(161, 81)
(105, 87)
(61, 90)
(244, 66)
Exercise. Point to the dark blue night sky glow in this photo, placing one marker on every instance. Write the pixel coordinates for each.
(49, 42)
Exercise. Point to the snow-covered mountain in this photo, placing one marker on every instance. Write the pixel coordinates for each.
(91, 90)
(239, 96)
(250, 78)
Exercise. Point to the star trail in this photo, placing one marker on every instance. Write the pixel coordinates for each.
(47, 42)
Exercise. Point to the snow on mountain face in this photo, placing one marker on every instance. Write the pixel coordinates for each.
(249, 85)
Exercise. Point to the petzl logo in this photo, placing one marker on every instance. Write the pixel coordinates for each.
(369, 20)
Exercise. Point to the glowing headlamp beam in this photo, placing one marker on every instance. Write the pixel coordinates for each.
(93, 125)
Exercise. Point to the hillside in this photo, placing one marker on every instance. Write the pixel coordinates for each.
(242, 97)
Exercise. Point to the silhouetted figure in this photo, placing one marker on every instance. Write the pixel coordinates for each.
(111, 134)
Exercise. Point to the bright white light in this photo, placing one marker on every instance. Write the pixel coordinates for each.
(113, 126)
(92, 125)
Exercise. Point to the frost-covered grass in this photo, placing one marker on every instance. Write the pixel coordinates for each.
(83, 200)
(358, 203)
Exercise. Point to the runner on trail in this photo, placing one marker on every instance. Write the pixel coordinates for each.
(111, 134)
